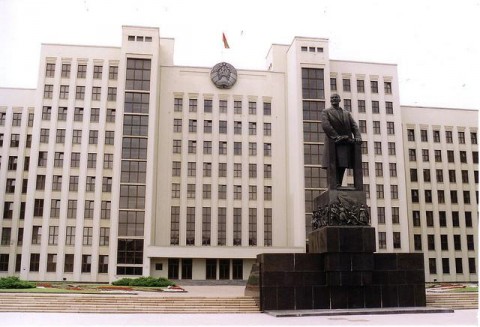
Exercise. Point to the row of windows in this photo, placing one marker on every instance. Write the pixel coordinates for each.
(222, 191)
(375, 106)
(222, 169)
(52, 260)
(59, 162)
(222, 147)
(214, 268)
(81, 71)
(442, 219)
(441, 196)
(346, 86)
(76, 136)
(16, 119)
(362, 126)
(412, 156)
(432, 265)
(78, 114)
(139, 38)
(55, 204)
(222, 226)
(53, 235)
(79, 92)
(437, 138)
(457, 242)
(382, 240)
(222, 106)
(222, 127)
(439, 176)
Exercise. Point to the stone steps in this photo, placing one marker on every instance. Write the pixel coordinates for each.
(124, 304)
(467, 300)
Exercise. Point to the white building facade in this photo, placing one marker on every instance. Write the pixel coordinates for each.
(130, 165)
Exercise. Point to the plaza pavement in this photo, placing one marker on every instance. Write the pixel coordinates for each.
(457, 318)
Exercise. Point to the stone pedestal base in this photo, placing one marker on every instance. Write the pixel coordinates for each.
(338, 275)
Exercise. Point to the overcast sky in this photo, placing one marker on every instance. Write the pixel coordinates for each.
(436, 44)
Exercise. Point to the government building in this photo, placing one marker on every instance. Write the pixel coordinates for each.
(122, 164)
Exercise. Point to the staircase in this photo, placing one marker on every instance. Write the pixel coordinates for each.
(88, 303)
(456, 301)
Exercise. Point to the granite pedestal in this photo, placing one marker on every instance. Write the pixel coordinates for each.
(342, 271)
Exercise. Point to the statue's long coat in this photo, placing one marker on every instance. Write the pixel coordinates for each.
(338, 122)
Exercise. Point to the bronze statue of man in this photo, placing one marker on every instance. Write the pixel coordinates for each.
(339, 126)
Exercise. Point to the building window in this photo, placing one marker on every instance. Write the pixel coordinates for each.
(382, 240)
(381, 215)
(361, 106)
(346, 85)
(267, 190)
(394, 191)
(86, 263)
(222, 106)
(237, 148)
(374, 86)
(110, 115)
(191, 191)
(207, 169)
(252, 149)
(347, 104)
(207, 191)
(50, 70)
(96, 93)
(364, 147)
(252, 108)
(461, 137)
(16, 119)
(175, 226)
(375, 107)
(97, 72)
(90, 184)
(192, 105)
(450, 156)
(78, 114)
(471, 266)
(34, 262)
(192, 146)
(222, 169)
(473, 137)
(389, 108)
(207, 105)
(448, 136)
(82, 71)
(72, 208)
(431, 242)
(237, 192)
(237, 107)
(396, 240)
(360, 86)
(103, 264)
(252, 128)
(190, 232)
(93, 137)
(445, 266)
(436, 136)
(388, 87)
(376, 127)
(333, 84)
(312, 83)
(414, 194)
(417, 242)
(432, 265)
(113, 72)
(237, 127)
(390, 128)
(442, 218)
(423, 135)
(80, 93)
(104, 236)
(175, 191)
(112, 94)
(463, 156)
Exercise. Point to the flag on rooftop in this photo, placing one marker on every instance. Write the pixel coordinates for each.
(225, 42)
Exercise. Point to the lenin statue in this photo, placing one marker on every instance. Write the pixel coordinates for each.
(342, 133)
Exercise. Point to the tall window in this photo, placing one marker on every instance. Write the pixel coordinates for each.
(64, 91)
(175, 226)
(312, 83)
(237, 226)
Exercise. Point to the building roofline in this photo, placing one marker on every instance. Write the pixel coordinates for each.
(17, 88)
(437, 108)
(80, 45)
(144, 27)
(365, 62)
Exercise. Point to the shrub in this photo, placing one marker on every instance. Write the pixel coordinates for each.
(144, 281)
(14, 283)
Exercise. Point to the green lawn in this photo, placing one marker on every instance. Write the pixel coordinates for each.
(465, 289)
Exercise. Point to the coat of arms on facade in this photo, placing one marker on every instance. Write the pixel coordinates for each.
(223, 75)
